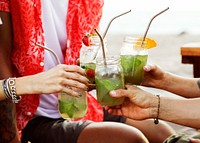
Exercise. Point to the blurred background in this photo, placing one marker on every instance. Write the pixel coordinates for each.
(183, 16)
(172, 29)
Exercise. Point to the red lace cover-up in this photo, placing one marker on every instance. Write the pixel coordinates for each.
(82, 17)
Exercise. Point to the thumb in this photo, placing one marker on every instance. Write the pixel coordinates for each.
(150, 67)
(119, 93)
(113, 93)
(192, 140)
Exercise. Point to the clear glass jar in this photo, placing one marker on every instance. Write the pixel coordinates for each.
(71, 107)
(108, 77)
(133, 58)
(88, 55)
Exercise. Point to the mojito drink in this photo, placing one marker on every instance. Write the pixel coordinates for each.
(107, 78)
(133, 68)
(72, 107)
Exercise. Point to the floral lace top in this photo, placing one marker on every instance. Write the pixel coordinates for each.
(82, 17)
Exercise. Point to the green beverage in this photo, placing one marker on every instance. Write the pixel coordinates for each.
(133, 57)
(72, 107)
(107, 78)
(88, 54)
(133, 68)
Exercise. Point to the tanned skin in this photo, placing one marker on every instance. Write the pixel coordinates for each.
(198, 83)
(8, 130)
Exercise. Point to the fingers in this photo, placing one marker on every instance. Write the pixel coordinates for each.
(91, 86)
(71, 92)
(73, 83)
(148, 68)
(60, 77)
(75, 76)
(192, 140)
(74, 68)
(72, 76)
(114, 110)
(78, 61)
(123, 92)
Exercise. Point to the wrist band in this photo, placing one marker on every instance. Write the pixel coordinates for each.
(156, 121)
(10, 90)
(5, 89)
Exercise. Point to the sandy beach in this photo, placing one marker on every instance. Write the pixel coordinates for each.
(167, 55)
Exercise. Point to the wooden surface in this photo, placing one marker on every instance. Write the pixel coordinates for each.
(191, 55)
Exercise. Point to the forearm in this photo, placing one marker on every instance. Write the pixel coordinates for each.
(186, 87)
(181, 111)
(24, 85)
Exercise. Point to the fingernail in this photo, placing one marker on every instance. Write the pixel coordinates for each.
(113, 93)
(146, 68)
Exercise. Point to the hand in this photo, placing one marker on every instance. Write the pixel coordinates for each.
(192, 140)
(137, 104)
(78, 61)
(154, 76)
(91, 87)
(57, 79)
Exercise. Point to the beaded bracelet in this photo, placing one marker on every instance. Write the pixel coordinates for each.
(156, 121)
(10, 90)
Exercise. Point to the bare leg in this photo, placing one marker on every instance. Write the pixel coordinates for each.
(154, 133)
(110, 132)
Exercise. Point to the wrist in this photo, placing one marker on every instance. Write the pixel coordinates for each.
(155, 106)
(9, 90)
(24, 85)
(166, 81)
(156, 121)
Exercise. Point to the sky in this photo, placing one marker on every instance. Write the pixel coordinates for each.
(183, 15)
(150, 5)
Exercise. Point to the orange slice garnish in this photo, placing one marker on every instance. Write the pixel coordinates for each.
(148, 43)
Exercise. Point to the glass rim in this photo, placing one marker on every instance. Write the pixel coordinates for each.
(132, 39)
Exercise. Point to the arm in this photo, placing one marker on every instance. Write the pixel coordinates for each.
(8, 130)
(52, 81)
(186, 87)
(156, 77)
(181, 111)
(142, 105)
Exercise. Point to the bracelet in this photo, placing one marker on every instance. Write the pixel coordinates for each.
(5, 89)
(11, 83)
(9, 89)
(156, 121)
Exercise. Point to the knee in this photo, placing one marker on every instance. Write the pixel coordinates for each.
(163, 131)
(136, 136)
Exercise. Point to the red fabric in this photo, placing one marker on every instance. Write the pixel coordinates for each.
(4, 5)
(82, 17)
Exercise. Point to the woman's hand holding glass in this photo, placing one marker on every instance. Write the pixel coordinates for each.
(58, 79)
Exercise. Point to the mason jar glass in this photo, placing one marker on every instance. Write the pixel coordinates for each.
(133, 58)
(108, 77)
(88, 55)
(71, 107)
